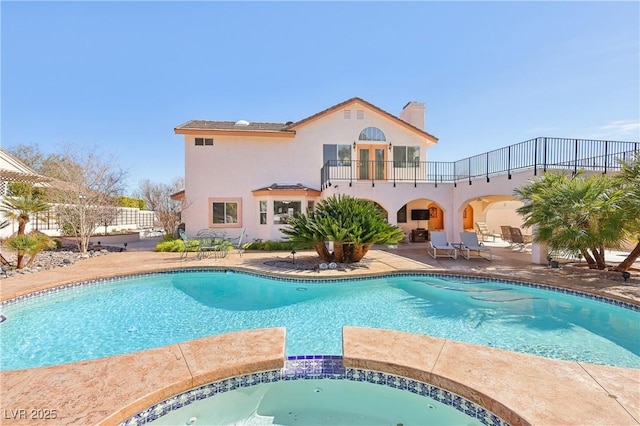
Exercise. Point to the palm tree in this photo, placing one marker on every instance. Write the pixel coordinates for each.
(20, 208)
(629, 181)
(575, 214)
(353, 225)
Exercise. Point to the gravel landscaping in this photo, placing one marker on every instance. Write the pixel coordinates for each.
(52, 259)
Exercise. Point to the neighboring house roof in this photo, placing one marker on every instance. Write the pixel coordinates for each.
(12, 169)
(244, 128)
(178, 196)
(286, 189)
(369, 105)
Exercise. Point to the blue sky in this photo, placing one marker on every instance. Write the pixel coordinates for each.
(119, 76)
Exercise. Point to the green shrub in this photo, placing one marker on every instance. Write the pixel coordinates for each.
(276, 245)
(58, 243)
(176, 246)
(123, 201)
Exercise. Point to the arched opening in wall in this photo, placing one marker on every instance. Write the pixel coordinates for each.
(467, 217)
(436, 217)
(414, 215)
(491, 213)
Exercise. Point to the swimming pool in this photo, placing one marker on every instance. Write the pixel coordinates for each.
(145, 311)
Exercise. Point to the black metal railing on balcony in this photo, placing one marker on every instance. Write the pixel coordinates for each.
(539, 154)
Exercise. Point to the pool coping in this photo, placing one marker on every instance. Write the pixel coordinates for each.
(522, 389)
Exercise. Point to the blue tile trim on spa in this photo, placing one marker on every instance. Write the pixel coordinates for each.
(319, 281)
(315, 367)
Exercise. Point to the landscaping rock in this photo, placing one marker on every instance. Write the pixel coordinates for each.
(46, 260)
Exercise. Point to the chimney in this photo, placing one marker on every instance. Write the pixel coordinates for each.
(413, 113)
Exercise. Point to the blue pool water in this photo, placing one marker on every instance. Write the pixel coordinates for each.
(133, 314)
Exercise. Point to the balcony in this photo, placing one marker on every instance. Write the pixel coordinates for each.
(539, 154)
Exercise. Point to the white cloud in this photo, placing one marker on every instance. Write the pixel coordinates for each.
(618, 129)
(622, 126)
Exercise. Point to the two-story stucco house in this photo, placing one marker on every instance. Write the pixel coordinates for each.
(255, 175)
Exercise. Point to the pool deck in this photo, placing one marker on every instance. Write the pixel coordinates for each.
(524, 389)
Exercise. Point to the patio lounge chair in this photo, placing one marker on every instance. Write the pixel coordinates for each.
(439, 246)
(469, 243)
(518, 240)
(506, 234)
(484, 232)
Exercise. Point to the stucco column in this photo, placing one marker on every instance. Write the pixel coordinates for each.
(539, 252)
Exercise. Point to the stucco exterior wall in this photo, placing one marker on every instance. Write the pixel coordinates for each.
(234, 166)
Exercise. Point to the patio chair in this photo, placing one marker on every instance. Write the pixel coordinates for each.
(518, 240)
(470, 243)
(439, 246)
(236, 242)
(484, 232)
(188, 242)
(506, 234)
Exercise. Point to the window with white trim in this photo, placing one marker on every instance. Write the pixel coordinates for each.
(224, 212)
(372, 134)
(406, 156)
(263, 212)
(284, 210)
(339, 155)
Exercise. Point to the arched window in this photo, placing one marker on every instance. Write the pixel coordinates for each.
(372, 134)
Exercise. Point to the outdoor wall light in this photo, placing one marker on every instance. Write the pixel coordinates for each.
(390, 146)
(354, 145)
(626, 275)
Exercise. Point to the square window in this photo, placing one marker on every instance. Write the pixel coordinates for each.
(284, 210)
(224, 212)
(208, 142)
(199, 141)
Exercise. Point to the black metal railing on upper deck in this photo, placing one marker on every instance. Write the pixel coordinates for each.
(539, 154)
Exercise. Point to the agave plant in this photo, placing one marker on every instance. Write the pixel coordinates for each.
(352, 224)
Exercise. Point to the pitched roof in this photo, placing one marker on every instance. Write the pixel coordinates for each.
(12, 169)
(287, 129)
(231, 125)
(368, 104)
(284, 188)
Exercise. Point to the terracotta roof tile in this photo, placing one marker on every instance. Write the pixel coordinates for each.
(231, 125)
(291, 126)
